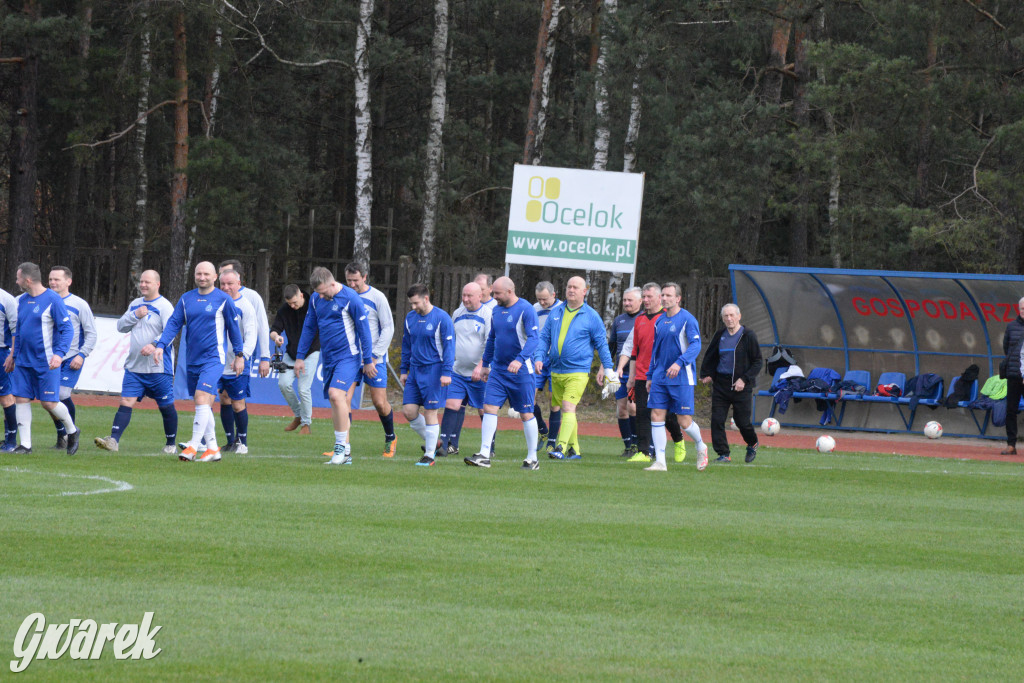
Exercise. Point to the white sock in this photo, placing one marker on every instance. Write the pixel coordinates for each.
(430, 433)
(531, 431)
(24, 413)
(659, 439)
(339, 440)
(694, 431)
(204, 414)
(419, 425)
(61, 413)
(211, 432)
(488, 426)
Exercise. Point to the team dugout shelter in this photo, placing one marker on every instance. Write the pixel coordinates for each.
(879, 322)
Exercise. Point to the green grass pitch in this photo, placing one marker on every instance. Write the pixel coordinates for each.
(272, 566)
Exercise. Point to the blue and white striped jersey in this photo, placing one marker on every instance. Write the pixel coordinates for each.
(543, 313)
(676, 340)
(246, 319)
(145, 331)
(262, 324)
(8, 320)
(513, 336)
(341, 322)
(44, 330)
(207, 319)
(380, 320)
(83, 325)
(471, 331)
(428, 339)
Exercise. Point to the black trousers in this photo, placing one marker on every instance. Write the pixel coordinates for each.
(1014, 386)
(643, 420)
(742, 403)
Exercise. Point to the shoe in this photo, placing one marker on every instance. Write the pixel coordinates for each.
(573, 455)
(390, 448)
(170, 449)
(210, 455)
(452, 450)
(188, 454)
(640, 457)
(629, 451)
(62, 443)
(478, 460)
(556, 453)
(339, 459)
(73, 440)
(679, 451)
(656, 467)
(751, 453)
(702, 456)
(1009, 450)
(19, 449)
(530, 465)
(182, 445)
(425, 461)
(107, 443)
(293, 425)
(240, 449)
(8, 448)
(230, 448)
(542, 438)
(723, 458)
(304, 429)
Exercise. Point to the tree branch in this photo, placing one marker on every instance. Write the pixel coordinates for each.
(254, 31)
(973, 187)
(120, 134)
(985, 14)
(486, 189)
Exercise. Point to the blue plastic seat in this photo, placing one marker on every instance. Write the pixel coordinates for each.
(897, 378)
(973, 395)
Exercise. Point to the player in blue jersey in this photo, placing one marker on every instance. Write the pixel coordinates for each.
(234, 388)
(382, 331)
(83, 341)
(508, 367)
(144, 322)
(8, 324)
(673, 374)
(472, 323)
(337, 313)
(428, 353)
(41, 339)
(546, 302)
(625, 408)
(207, 315)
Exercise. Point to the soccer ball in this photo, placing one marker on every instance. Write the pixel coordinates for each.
(933, 430)
(732, 423)
(770, 426)
(825, 444)
(513, 413)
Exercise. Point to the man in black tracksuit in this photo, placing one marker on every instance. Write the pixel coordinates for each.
(1012, 339)
(730, 365)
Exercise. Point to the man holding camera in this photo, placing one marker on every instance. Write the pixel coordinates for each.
(289, 321)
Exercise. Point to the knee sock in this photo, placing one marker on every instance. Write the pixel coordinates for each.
(419, 426)
(121, 419)
(70, 405)
(453, 436)
(447, 432)
(659, 440)
(672, 424)
(203, 413)
(339, 442)
(430, 439)
(24, 416)
(694, 433)
(634, 435)
(388, 423)
(488, 426)
(532, 431)
(211, 432)
(170, 416)
(554, 426)
(567, 432)
(227, 419)
(60, 412)
(62, 429)
(624, 432)
(538, 414)
(11, 425)
(242, 426)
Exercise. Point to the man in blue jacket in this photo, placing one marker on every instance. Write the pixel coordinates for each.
(573, 333)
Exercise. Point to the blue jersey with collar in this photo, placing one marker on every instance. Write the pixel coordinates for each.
(676, 341)
(343, 327)
(207, 319)
(513, 336)
(428, 339)
(543, 313)
(44, 330)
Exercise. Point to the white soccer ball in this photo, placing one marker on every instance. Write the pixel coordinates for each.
(933, 430)
(825, 444)
(732, 423)
(770, 426)
(513, 413)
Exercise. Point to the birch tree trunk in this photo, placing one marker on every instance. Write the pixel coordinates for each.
(364, 136)
(24, 150)
(536, 114)
(181, 249)
(834, 178)
(633, 128)
(435, 147)
(545, 85)
(602, 133)
(213, 83)
(142, 175)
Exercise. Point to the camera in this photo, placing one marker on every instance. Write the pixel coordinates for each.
(278, 364)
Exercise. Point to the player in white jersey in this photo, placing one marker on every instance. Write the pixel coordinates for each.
(472, 322)
(83, 341)
(144, 323)
(8, 324)
(485, 283)
(234, 387)
(382, 331)
(546, 302)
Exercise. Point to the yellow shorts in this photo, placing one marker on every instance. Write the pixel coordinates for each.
(568, 387)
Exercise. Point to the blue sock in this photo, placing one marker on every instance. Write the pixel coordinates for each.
(454, 434)
(10, 425)
(448, 422)
(170, 416)
(624, 432)
(227, 419)
(542, 427)
(554, 424)
(121, 419)
(634, 436)
(242, 425)
(70, 406)
(388, 422)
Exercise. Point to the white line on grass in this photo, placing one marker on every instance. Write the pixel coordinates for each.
(117, 486)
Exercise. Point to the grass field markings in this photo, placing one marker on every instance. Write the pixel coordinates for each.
(118, 486)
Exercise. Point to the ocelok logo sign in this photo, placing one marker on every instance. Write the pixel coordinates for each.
(82, 639)
(553, 213)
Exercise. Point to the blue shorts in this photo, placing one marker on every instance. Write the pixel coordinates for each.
(204, 377)
(518, 389)
(31, 383)
(465, 390)
(543, 380)
(236, 386)
(69, 377)
(423, 387)
(342, 375)
(5, 382)
(676, 398)
(378, 382)
(159, 386)
(622, 391)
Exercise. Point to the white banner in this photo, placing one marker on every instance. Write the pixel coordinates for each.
(103, 370)
(572, 218)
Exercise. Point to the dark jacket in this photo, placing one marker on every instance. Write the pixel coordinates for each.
(289, 322)
(746, 359)
(1012, 339)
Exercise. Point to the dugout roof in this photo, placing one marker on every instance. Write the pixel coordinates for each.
(879, 320)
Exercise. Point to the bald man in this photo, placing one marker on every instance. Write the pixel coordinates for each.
(144, 322)
(472, 322)
(206, 314)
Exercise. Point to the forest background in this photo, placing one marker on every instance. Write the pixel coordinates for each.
(843, 133)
